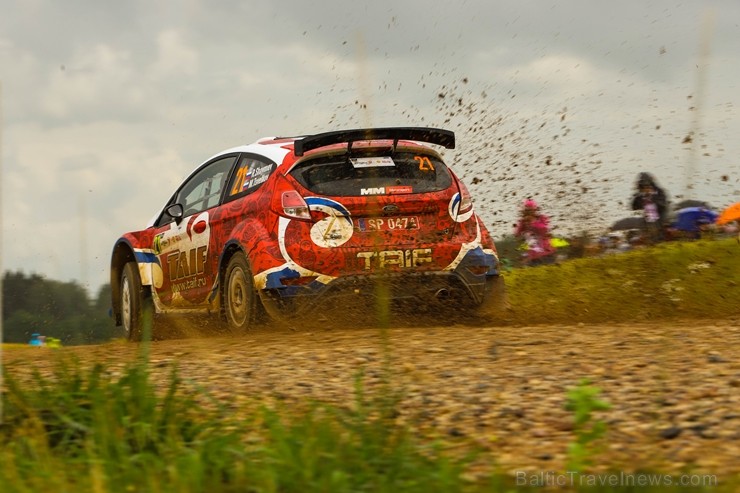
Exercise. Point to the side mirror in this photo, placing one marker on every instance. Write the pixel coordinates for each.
(175, 211)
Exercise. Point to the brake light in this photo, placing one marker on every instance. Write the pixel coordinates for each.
(294, 205)
(287, 201)
(466, 203)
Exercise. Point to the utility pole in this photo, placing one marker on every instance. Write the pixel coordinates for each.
(698, 106)
(83, 244)
(2, 381)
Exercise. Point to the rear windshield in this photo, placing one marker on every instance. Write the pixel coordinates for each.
(403, 172)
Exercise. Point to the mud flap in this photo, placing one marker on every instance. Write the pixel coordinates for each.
(495, 305)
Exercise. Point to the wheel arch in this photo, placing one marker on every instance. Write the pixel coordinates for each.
(231, 248)
(261, 248)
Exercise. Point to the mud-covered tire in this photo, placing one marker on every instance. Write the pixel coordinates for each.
(239, 296)
(495, 305)
(137, 309)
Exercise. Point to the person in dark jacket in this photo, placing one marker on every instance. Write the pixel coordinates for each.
(652, 200)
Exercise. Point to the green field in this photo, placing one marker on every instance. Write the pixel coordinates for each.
(673, 280)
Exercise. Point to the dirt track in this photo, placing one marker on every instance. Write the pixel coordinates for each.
(674, 387)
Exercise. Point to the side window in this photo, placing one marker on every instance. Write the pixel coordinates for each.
(203, 190)
(250, 174)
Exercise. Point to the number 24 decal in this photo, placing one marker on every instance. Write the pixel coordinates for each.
(425, 164)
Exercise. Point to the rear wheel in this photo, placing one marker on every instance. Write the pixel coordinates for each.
(239, 296)
(136, 304)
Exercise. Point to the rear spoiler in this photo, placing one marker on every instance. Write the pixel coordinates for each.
(437, 136)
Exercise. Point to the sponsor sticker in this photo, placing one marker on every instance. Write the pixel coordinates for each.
(416, 257)
(397, 189)
(391, 190)
(371, 162)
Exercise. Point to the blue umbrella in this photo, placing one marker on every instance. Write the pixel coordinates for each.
(692, 218)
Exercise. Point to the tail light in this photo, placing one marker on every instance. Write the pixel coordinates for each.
(466, 203)
(294, 205)
(287, 202)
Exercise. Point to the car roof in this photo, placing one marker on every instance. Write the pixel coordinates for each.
(270, 147)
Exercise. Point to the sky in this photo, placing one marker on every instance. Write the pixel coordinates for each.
(107, 106)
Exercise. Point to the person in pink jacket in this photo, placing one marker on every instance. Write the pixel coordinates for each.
(533, 229)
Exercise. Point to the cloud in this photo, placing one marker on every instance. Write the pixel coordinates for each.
(174, 57)
(94, 83)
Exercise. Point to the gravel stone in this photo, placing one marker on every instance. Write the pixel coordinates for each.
(502, 389)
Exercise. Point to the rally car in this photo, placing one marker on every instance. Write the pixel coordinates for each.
(290, 226)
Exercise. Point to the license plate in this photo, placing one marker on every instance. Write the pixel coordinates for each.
(387, 223)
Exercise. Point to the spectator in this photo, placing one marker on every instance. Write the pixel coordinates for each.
(651, 199)
(533, 229)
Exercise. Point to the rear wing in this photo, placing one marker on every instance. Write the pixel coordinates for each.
(437, 136)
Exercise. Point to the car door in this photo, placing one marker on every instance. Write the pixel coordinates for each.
(183, 238)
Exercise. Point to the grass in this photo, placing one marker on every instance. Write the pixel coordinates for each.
(82, 431)
(672, 280)
(583, 400)
(85, 431)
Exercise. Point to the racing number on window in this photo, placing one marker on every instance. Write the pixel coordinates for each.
(425, 164)
(241, 175)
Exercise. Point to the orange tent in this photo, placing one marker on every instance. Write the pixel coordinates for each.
(732, 213)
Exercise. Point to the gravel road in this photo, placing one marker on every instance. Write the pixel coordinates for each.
(674, 387)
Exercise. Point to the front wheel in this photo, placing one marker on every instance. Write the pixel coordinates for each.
(239, 296)
(136, 304)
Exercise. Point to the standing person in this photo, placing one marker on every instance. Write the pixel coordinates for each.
(533, 229)
(652, 200)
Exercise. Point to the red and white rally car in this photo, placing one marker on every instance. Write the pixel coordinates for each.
(293, 226)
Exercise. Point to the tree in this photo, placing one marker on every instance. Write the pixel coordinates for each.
(32, 303)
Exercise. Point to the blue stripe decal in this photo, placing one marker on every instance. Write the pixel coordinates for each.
(455, 201)
(478, 258)
(146, 258)
(327, 202)
(273, 278)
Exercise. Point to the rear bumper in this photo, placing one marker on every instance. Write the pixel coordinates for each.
(465, 285)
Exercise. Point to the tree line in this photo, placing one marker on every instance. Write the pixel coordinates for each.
(35, 304)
